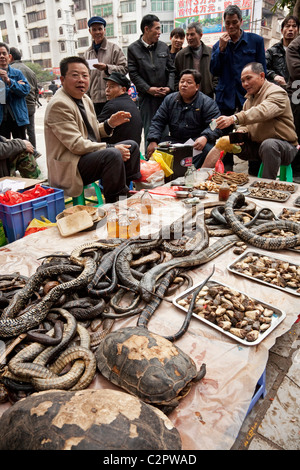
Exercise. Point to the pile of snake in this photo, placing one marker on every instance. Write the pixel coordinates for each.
(52, 322)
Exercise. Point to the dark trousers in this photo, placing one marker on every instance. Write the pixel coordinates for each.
(31, 130)
(271, 152)
(9, 128)
(148, 105)
(108, 166)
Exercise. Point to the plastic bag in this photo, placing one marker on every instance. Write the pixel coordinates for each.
(148, 168)
(157, 176)
(11, 198)
(165, 160)
(219, 166)
(37, 225)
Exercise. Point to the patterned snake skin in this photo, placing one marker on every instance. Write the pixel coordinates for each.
(252, 236)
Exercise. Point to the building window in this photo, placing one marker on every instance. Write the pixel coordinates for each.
(58, 13)
(38, 32)
(19, 39)
(162, 5)
(110, 30)
(83, 42)
(3, 24)
(62, 47)
(79, 5)
(36, 16)
(82, 24)
(61, 30)
(2, 9)
(127, 7)
(166, 26)
(16, 24)
(129, 27)
(43, 47)
(103, 10)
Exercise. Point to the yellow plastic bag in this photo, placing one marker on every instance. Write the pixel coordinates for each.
(36, 225)
(165, 160)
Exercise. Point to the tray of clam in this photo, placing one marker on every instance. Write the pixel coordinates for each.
(233, 313)
(277, 185)
(268, 194)
(273, 272)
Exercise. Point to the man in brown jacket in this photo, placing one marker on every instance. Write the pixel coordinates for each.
(110, 59)
(75, 154)
(267, 120)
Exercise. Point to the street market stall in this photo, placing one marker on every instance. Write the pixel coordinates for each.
(210, 415)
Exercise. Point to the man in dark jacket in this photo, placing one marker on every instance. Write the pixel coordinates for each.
(117, 86)
(277, 71)
(188, 113)
(151, 69)
(196, 56)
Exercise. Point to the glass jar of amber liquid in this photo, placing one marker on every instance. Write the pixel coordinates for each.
(134, 223)
(123, 226)
(146, 201)
(224, 191)
(112, 224)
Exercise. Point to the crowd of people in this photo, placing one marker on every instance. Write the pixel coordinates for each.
(93, 128)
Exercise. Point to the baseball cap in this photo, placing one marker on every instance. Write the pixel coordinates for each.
(119, 78)
(96, 19)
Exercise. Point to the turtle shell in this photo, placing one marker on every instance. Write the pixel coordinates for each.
(145, 364)
(86, 420)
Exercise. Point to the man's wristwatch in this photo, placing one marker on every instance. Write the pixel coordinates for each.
(235, 119)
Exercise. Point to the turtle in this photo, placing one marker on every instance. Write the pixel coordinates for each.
(148, 366)
(90, 419)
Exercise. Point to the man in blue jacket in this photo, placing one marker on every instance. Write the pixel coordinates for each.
(234, 50)
(188, 113)
(13, 109)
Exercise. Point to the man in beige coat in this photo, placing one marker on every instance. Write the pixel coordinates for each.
(75, 154)
(110, 59)
(267, 121)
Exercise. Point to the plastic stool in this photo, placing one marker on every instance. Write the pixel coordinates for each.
(81, 200)
(285, 173)
(261, 391)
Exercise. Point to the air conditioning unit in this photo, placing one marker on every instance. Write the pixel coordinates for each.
(125, 39)
(119, 15)
(144, 3)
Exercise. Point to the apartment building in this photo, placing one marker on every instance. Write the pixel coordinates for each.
(48, 30)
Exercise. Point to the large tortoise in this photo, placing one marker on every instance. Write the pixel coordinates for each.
(86, 420)
(148, 366)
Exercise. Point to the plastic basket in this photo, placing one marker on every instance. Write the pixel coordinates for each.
(16, 218)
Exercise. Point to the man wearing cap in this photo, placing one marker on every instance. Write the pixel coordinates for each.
(110, 59)
(117, 86)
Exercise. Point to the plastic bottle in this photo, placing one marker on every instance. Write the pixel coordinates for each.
(134, 223)
(124, 226)
(146, 201)
(189, 177)
(112, 224)
(224, 191)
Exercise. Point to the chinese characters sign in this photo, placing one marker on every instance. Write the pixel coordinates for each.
(210, 14)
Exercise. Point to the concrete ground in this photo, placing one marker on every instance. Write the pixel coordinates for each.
(274, 421)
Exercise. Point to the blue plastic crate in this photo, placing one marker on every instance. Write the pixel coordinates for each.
(16, 218)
